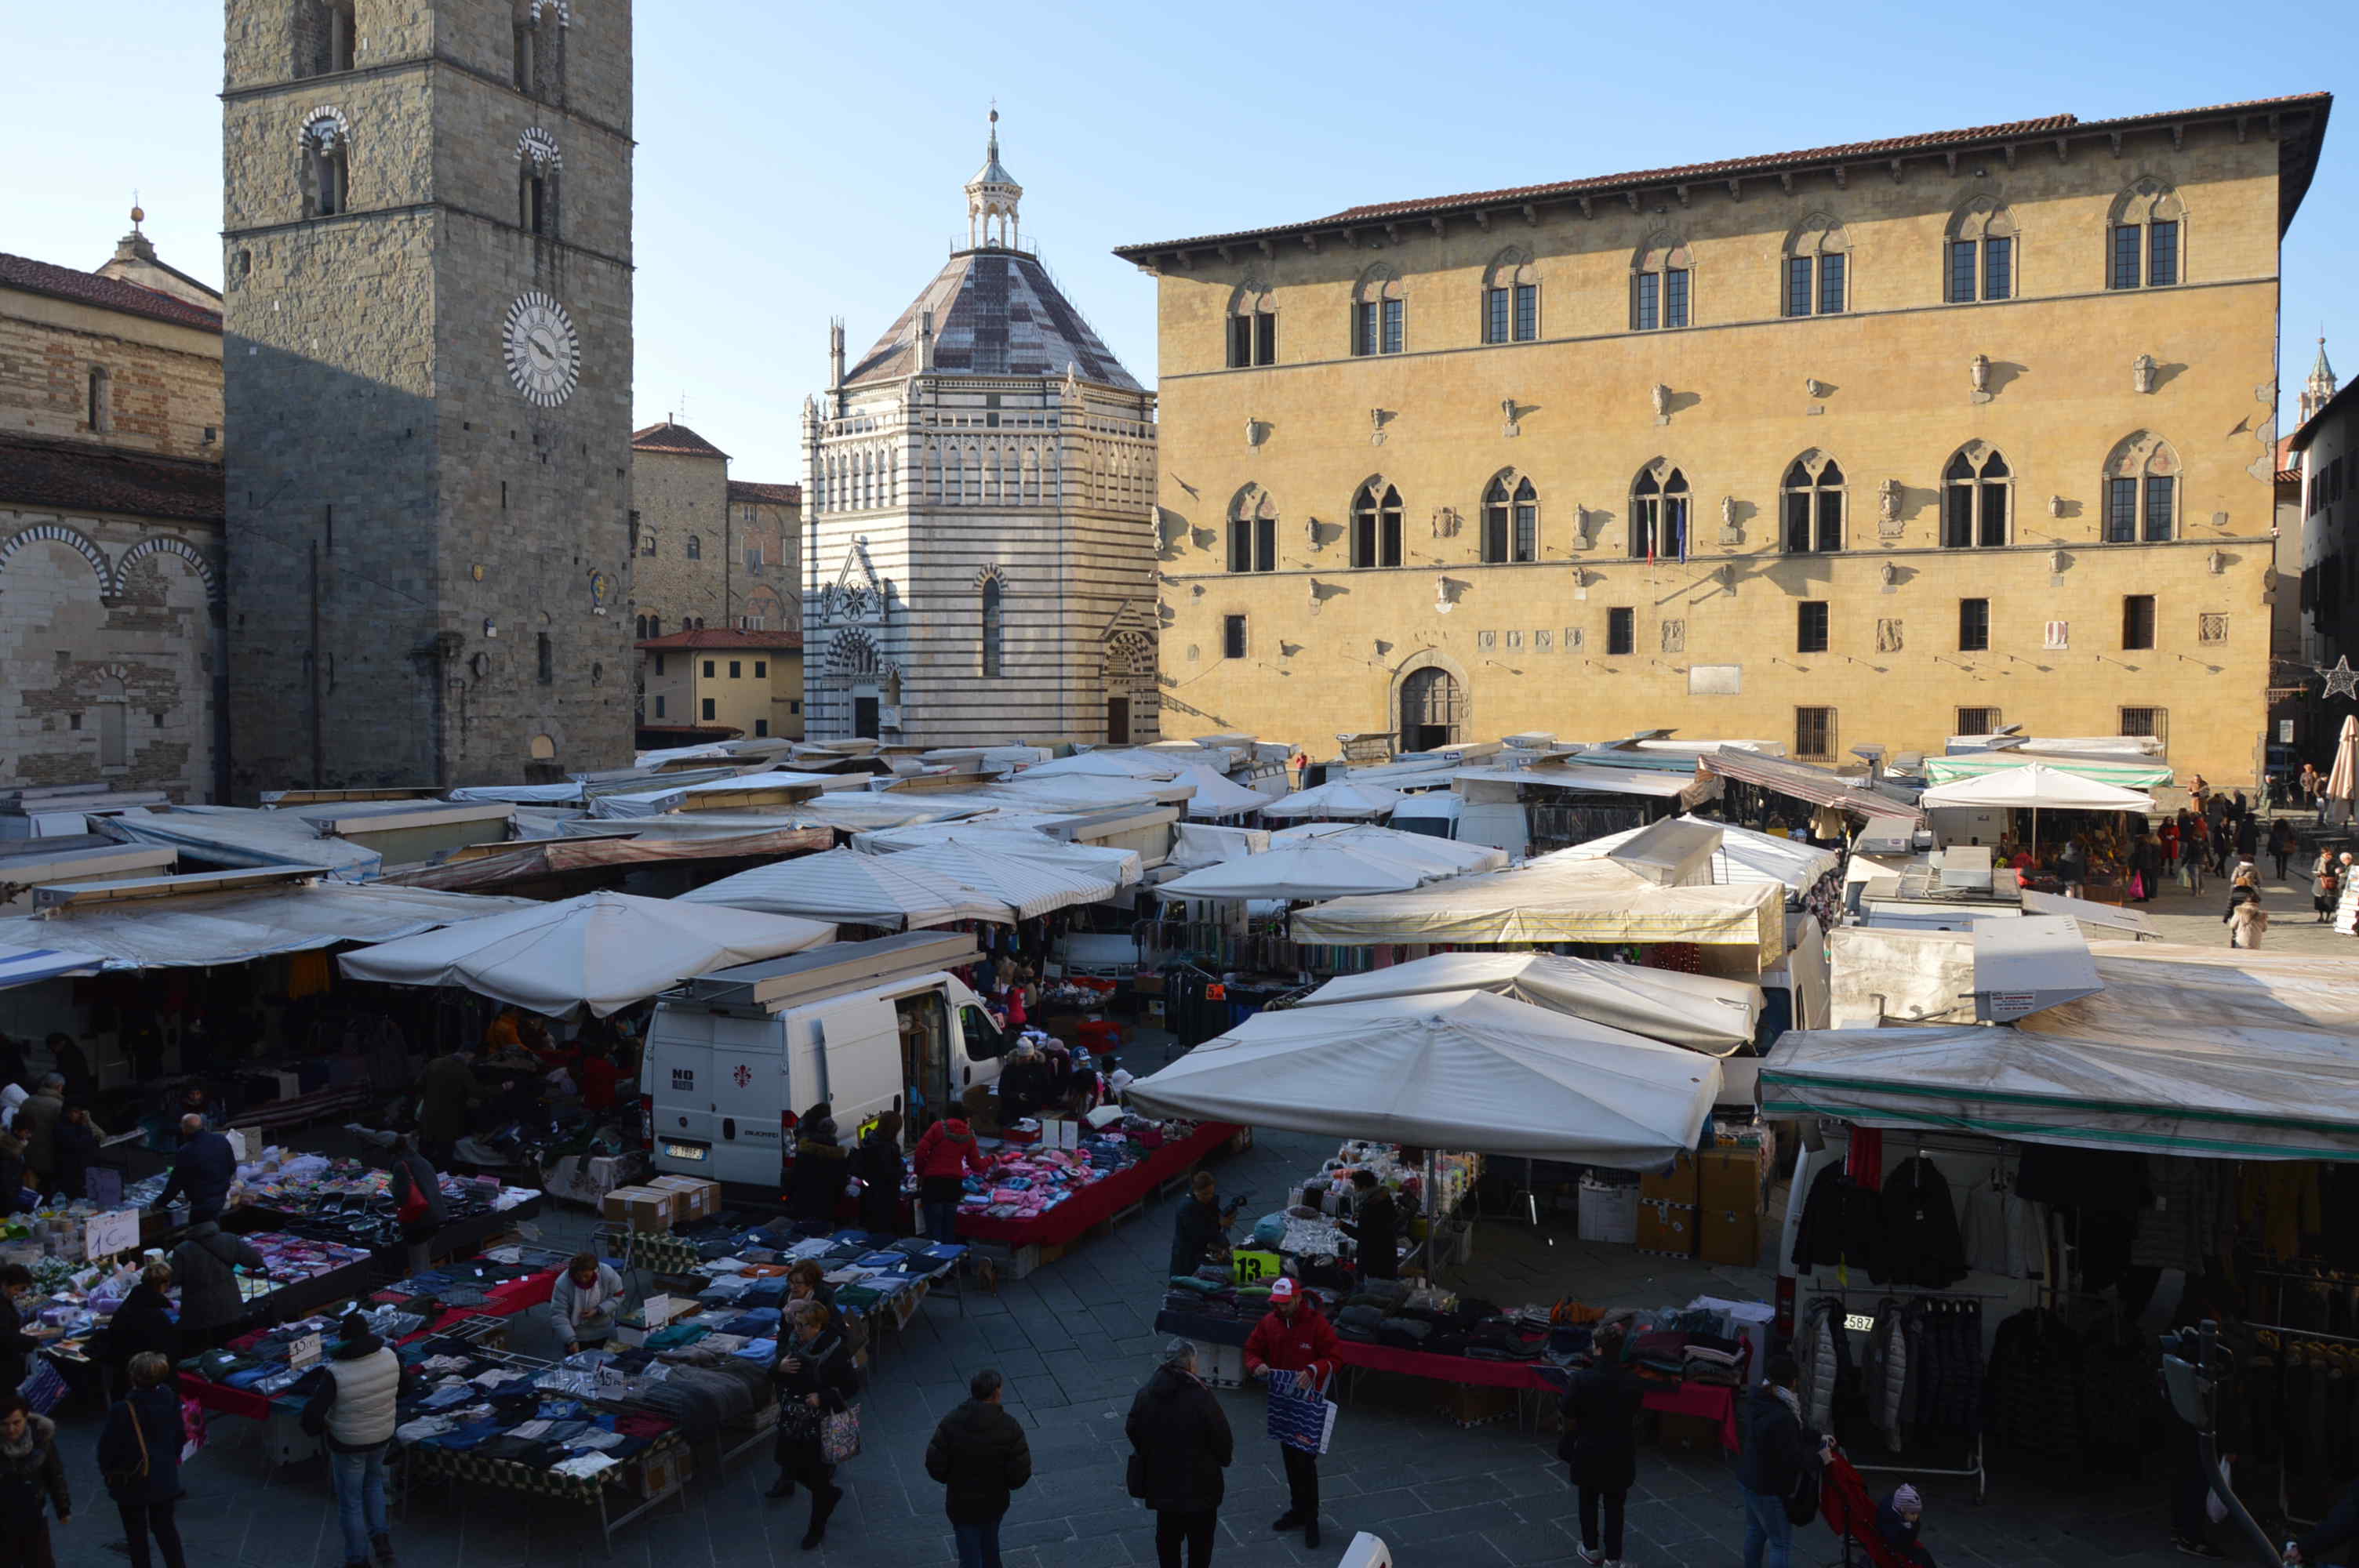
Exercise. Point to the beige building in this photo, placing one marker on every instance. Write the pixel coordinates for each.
(1866, 444)
(111, 436)
(708, 550)
(751, 682)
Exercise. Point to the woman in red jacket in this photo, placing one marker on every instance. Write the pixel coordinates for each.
(945, 1154)
(1294, 1338)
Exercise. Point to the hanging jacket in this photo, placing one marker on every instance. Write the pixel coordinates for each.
(1815, 1352)
(1888, 1357)
(1841, 1223)
(1921, 1245)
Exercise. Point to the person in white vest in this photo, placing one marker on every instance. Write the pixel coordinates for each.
(353, 1409)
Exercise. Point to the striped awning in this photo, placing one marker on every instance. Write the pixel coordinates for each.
(24, 965)
(1803, 781)
(2127, 775)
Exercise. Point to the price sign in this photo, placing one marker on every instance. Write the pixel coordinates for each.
(304, 1351)
(107, 1234)
(1252, 1268)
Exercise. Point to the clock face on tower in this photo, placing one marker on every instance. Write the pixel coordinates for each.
(543, 350)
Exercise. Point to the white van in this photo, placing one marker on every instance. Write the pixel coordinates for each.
(735, 1056)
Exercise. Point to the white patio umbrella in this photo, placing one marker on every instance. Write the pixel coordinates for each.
(866, 890)
(1302, 870)
(2342, 782)
(1341, 799)
(603, 951)
(2032, 786)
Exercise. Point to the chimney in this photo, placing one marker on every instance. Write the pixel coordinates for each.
(925, 341)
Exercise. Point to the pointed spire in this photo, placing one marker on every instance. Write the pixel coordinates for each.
(2319, 390)
(991, 196)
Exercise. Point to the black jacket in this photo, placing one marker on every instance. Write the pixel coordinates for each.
(1376, 1227)
(27, 1478)
(16, 1346)
(816, 1184)
(74, 1146)
(155, 1413)
(1841, 1223)
(1921, 1245)
(1023, 1085)
(1601, 1428)
(1774, 1450)
(824, 1368)
(979, 1455)
(204, 1169)
(1193, 1230)
(878, 1163)
(1181, 1437)
(142, 1322)
(204, 1264)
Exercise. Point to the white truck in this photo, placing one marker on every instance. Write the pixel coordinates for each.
(735, 1057)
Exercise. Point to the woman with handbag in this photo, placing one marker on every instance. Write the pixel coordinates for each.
(819, 1426)
(140, 1456)
(417, 1201)
(1600, 1446)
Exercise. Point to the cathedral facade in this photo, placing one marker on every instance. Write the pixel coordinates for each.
(978, 560)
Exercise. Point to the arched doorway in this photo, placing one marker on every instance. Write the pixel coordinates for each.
(1430, 709)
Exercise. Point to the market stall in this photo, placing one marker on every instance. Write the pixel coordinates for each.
(847, 886)
(1702, 1013)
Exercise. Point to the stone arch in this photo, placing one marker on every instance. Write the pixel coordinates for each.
(2139, 453)
(1981, 216)
(71, 538)
(1663, 248)
(1415, 683)
(325, 128)
(854, 655)
(542, 749)
(1511, 266)
(1381, 280)
(1820, 233)
(166, 543)
(990, 572)
(537, 146)
(1252, 501)
(2147, 201)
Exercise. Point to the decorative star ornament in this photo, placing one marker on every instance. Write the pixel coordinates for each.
(2341, 681)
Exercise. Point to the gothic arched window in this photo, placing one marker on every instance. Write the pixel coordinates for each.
(992, 625)
(1975, 498)
(1980, 259)
(1253, 326)
(2141, 492)
(1253, 531)
(1377, 525)
(1814, 505)
(1511, 520)
(1818, 268)
(1662, 274)
(1380, 313)
(1658, 513)
(695, 548)
(2144, 235)
(324, 173)
(1511, 299)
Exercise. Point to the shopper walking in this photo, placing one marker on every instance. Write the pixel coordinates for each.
(1179, 1443)
(878, 1165)
(206, 1263)
(586, 1303)
(1600, 1446)
(417, 1201)
(979, 1456)
(815, 1379)
(142, 1324)
(2282, 844)
(2325, 885)
(203, 1171)
(1774, 1463)
(353, 1409)
(1294, 1338)
(1197, 1225)
(822, 1166)
(2247, 921)
(31, 1473)
(139, 1458)
(946, 1152)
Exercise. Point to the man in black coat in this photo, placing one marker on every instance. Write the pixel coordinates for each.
(1197, 1225)
(979, 1456)
(1600, 1445)
(1180, 1443)
(1774, 1460)
(822, 1167)
(143, 1322)
(1375, 1226)
(204, 1171)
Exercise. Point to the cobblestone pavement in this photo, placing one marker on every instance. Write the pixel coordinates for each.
(1074, 1340)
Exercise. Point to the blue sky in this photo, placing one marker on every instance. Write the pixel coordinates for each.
(800, 162)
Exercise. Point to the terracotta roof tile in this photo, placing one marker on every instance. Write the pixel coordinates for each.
(721, 637)
(80, 476)
(1765, 163)
(669, 437)
(108, 293)
(765, 494)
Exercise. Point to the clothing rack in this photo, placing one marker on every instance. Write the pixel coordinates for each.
(2285, 1496)
(1973, 1465)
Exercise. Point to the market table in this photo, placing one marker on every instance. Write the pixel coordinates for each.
(1101, 1199)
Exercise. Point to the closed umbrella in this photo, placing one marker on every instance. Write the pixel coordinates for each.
(2343, 782)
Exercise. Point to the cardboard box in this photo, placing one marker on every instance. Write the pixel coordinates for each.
(1676, 1185)
(664, 1471)
(699, 1199)
(1667, 1227)
(1729, 1179)
(1729, 1236)
(641, 1208)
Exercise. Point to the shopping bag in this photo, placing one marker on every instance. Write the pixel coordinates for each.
(839, 1435)
(1299, 1415)
(192, 1423)
(43, 1387)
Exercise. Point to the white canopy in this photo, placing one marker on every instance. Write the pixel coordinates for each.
(1028, 885)
(1298, 870)
(1120, 866)
(24, 966)
(1744, 856)
(241, 836)
(2035, 786)
(522, 795)
(2246, 1094)
(1343, 798)
(189, 930)
(1463, 1071)
(1702, 1013)
(1218, 794)
(1204, 844)
(1445, 857)
(866, 890)
(1557, 899)
(672, 797)
(1106, 765)
(603, 951)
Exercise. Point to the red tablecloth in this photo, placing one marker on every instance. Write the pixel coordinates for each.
(1101, 1199)
(223, 1398)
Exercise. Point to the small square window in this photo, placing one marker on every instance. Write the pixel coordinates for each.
(761, 729)
(1811, 627)
(708, 669)
(761, 669)
(1977, 721)
(794, 707)
(1974, 626)
(708, 707)
(1620, 630)
(1814, 733)
(659, 704)
(2137, 621)
(2211, 627)
(1233, 636)
(736, 670)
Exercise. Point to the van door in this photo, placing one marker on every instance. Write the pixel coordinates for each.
(750, 1082)
(856, 1047)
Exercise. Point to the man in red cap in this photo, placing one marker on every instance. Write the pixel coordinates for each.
(1293, 1338)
